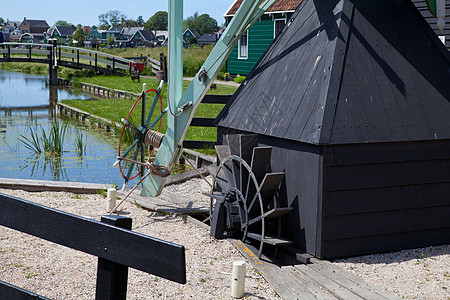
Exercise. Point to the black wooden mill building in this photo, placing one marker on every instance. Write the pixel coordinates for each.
(354, 98)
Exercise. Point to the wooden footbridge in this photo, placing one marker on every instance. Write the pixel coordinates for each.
(71, 57)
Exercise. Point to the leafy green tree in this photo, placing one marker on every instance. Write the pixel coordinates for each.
(205, 24)
(189, 21)
(158, 21)
(2, 21)
(128, 23)
(79, 35)
(111, 18)
(62, 23)
(140, 21)
(110, 40)
(193, 40)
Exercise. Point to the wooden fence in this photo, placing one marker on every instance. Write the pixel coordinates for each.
(71, 57)
(111, 240)
(159, 65)
(206, 122)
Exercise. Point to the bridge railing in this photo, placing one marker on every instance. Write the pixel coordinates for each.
(27, 49)
(93, 58)
(72, 57)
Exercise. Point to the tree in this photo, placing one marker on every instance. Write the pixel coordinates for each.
(2, 21)
(79, 35)
(110, 40)
(189, 21)
(193, 40)
(128, 23)
(158, 21)
(140, 21)
(111, 18)
(62, 23)
(205, 24)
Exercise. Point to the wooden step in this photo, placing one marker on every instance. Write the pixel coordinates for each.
(268, 239)
(273, 213)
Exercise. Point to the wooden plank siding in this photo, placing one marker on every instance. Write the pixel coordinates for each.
(391, 201)
(432, 20)
(260, 36)
(354, 98)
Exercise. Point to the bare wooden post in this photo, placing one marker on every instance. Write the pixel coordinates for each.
(163, 65)
(112, 277)
(50, 65)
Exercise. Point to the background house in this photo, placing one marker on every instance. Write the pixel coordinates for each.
(94, 38)
(188, 34)
(432, 20)
(32, 31)
(61, 33)
(9, 28)
(207, 39)
(257, 39)
(33, 26)
(143, 38)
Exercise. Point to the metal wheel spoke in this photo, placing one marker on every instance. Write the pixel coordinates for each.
(224, 185)
(130, 148)
(142, 158)
(130, 169)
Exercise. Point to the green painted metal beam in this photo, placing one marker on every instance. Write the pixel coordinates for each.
(184, 108)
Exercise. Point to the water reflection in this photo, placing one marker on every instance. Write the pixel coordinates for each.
(26, 101)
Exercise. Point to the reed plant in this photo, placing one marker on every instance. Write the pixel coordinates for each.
(33, 142)
(49, 143)
(54, 142)
(80, 143)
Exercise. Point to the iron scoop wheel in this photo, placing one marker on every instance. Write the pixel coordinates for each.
(133, 157)
(243, 203)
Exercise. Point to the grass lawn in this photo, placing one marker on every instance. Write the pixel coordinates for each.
(114, 110)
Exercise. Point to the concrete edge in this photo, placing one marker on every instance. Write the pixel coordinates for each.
(32, 185)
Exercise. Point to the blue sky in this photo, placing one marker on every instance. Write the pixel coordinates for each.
(86, 12)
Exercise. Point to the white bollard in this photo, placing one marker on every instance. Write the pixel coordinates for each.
(238, 279)
(111, 200)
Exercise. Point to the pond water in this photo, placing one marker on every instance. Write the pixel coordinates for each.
(27, 103)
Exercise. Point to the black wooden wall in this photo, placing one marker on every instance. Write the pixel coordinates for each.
(384, 197)
(354, 96)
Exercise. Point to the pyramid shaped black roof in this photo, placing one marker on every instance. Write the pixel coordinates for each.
(348, 71)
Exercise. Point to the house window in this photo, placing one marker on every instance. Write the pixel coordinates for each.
(278, 26)
(243, 46)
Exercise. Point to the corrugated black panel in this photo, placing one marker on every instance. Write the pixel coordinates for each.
(384, 243)
(349, 71)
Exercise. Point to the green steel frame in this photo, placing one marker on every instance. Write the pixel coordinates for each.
(182, 106)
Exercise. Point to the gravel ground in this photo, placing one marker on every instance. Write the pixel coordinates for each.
(412, 274)
(61, 273)
(58, 272)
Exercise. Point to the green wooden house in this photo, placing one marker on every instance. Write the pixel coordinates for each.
(258, 38)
